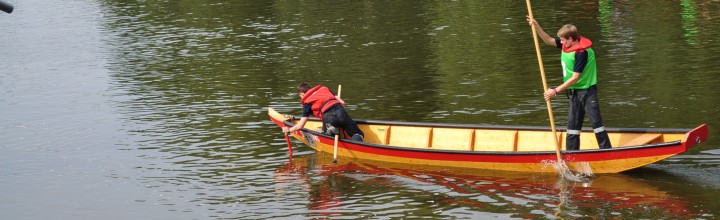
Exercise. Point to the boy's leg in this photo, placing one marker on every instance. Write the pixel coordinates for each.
(576, 113)
(350, 126)
(592, 107)
(330, 123)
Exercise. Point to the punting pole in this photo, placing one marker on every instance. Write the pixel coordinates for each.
(335, 146)
(545, 87)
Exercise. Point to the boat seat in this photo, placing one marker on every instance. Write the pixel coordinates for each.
(452, 139)
(642, 139)
(409, 136)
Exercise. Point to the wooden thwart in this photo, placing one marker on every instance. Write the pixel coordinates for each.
(643, 139)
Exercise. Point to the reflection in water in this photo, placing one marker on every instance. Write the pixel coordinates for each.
(385, 188)
(689, 16)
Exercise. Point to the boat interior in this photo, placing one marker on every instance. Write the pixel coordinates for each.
(498, 140)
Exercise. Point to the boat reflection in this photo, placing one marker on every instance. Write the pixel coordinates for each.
(513, 194)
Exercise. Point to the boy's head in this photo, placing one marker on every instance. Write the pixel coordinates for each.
(303, 88)
(568, 31)
(568, 35)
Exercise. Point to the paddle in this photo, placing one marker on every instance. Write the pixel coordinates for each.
(545, 87)
(287, 139)
(336, 135)
(287, 135)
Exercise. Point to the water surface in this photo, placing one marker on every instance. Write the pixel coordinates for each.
(116, 109)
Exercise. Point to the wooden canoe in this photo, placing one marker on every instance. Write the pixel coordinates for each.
(510, 148)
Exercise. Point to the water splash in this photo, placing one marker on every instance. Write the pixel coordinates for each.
(582, 173)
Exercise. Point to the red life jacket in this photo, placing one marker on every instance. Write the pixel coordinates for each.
(580, 46)
(320, 98)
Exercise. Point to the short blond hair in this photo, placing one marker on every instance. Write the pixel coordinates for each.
(568, 30)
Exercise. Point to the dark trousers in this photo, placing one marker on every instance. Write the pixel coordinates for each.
(585, 102)
(338, 117)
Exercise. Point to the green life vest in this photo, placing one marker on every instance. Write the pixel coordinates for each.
(588, 77)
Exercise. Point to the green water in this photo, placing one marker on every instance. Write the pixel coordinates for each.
(117, 109)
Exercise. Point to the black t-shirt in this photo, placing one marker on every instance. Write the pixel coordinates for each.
(307, 110)
(580, 58)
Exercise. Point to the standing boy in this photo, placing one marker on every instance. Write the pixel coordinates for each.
(580, 79)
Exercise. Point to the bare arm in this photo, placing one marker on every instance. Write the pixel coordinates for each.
(553, 92)
(541, 33)
(297, 127)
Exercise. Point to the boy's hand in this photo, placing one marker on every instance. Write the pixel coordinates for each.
(530, 21)
(550, 93)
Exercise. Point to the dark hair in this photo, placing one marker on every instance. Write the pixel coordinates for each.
(303, 87)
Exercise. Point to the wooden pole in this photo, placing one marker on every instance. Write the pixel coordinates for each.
(545, 87)
(335, 146)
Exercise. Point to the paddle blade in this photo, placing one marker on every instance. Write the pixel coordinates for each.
(287, 139)
(565, 172)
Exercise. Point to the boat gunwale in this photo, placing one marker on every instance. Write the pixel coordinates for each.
(507, 127)
(518, 127)
(508, 153)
